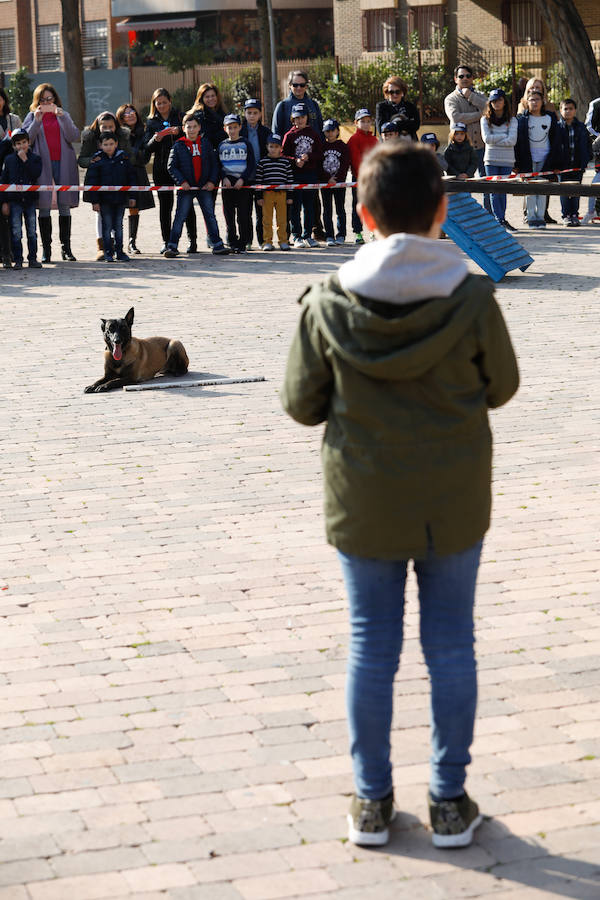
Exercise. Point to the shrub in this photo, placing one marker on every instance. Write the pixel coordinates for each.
(498, 78)
(557, 84)
(19, 92)
(243, 87)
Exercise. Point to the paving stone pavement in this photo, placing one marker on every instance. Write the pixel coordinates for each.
(174, 626)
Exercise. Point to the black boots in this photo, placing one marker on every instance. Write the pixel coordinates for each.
(64, 230)
(134, 222)
(45, 223)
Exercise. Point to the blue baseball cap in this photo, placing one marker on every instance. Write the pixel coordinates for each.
(361, 114)
(252, 104)
(274, 139)
(330, 124)
(459, 126)
(299, 109)
(230, 118)
(430, 137)
(389, 126)
(496, 94)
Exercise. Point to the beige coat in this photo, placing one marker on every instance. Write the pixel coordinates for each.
(459, 109)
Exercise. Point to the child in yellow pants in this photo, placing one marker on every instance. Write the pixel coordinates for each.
(274, 169)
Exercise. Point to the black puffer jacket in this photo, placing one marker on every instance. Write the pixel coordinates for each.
(161, 149)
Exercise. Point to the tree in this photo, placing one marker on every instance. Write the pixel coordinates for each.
(180, 50)
(264, 37)
(574, 47)
(19, 91)
(71, 38)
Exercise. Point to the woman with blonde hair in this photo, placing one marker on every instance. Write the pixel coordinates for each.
(536, 84)
(395, 108)
(209, 112)
(51, 133)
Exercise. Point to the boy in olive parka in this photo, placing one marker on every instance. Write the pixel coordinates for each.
(402, 352)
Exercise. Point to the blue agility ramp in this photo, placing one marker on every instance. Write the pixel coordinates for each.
(481, 236)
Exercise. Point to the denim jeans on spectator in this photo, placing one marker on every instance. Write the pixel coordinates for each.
(481, 172)
(376, 603)
(185, 202)
(498, 200)
(112, 221)
(303, 200)
(328, 197)
(18, 212)
(569, 206)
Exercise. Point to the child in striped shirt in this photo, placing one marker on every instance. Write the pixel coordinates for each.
(274, 169)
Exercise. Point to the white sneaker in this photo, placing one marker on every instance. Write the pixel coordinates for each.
(268, 247)
(587, 218)
(330, 241)
(284, 246)
(301, 244)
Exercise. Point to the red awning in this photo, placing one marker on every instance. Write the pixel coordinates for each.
(154, 24)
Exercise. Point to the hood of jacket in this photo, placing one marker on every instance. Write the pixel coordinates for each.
(436, 299)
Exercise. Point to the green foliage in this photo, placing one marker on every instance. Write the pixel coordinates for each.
(181, 49)
(361, 85)
(183, 98)
(557, 84)
(244, 86)
(19, 92)
(498, 78)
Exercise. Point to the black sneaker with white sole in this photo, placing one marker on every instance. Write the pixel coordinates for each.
(454, 821)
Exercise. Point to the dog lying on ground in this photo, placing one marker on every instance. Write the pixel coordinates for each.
(129, 360)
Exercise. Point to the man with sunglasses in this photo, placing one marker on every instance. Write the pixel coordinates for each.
(467, 105)
(282, 121)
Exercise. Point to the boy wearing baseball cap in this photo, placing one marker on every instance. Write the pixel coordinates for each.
(256, 134)
(274, 169)
(402, 352)
(334, 168)
(360, 143)
(304, 147)
(237, 167)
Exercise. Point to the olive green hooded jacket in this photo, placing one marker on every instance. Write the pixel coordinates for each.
(402, 353)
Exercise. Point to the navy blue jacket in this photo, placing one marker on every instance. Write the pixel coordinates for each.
(15, 171)
(110, 170)
(523, 161)
(282, 115)
(583, 151)
(181, 165)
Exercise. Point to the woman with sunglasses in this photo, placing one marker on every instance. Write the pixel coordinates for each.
(52, 133)
(396, 108)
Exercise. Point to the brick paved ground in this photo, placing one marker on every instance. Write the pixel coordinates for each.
(173, 625)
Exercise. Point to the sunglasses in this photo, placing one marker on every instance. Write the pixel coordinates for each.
(464, 76)
(295, 84)
(394, 91)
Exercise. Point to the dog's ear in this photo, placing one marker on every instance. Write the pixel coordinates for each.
(129, 317)
(103, 325)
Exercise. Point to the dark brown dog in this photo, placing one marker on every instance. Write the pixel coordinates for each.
(129, 360)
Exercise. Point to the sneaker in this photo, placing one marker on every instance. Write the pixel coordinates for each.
(300, 243)
(330, 242)
(220, 251)
(454, 821)
(163, 249)
(268, 247)
(284, 246)
(566, 221)
(249, 247)
(507, 225)
(575, 220)
(340, 239)
(170, 253)
(293, 239)
(587, 218)
(359, 239)
(310, 242)
(34, 264)
(192, 247)
(368, 820)
(108, 257)
(122, 257)
(18, 265)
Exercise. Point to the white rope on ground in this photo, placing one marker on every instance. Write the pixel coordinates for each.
(202, 382)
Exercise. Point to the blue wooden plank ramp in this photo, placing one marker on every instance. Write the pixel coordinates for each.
(481, 237)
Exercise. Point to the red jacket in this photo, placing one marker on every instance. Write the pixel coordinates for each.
(358, 145)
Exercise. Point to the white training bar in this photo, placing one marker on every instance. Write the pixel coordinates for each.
(203, 382)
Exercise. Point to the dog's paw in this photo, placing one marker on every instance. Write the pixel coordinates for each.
(89, 389)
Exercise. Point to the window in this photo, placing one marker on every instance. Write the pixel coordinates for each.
(48, 48)
(379, 29)
(94, 44)
(521, 23)
(8, 55)
(428, 22)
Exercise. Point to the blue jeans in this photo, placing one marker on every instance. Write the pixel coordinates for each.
(569, 206)
(376, 599)
(328, 197)
(185, 202)
(305, 201)
(19, 212)
(112, 220)
(498, 200)
(481, 172)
